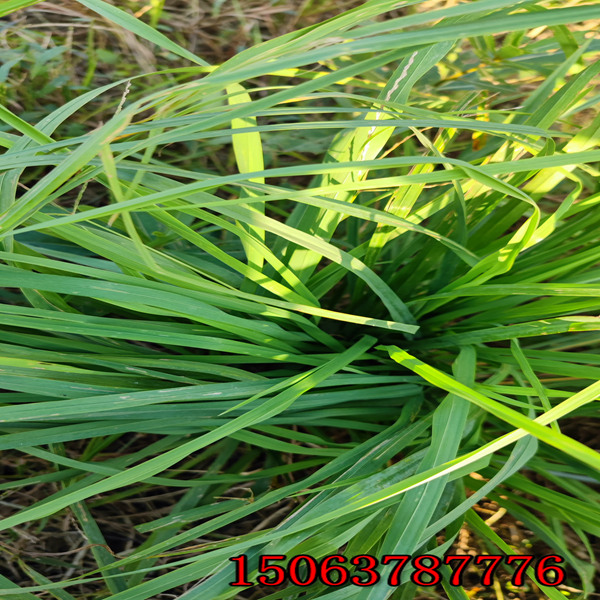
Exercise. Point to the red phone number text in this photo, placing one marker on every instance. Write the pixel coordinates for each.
(425, 570)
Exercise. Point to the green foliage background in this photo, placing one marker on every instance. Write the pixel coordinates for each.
(328, 295)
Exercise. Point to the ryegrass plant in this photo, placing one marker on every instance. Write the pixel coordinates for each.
(328, 296)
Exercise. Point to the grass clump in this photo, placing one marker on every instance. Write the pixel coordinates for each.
(336, 294)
